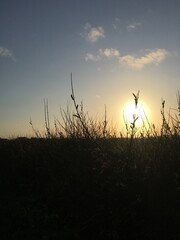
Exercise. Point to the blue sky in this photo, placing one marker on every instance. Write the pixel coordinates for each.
(112, 47)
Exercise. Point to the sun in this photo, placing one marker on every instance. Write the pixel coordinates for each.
(140, 113)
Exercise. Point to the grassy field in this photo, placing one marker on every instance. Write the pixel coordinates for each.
(81, 181)
(84, 189)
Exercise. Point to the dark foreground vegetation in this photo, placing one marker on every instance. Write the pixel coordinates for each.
(90, 189)
(81, 181)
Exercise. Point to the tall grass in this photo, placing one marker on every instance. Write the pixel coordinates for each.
(75, 123)
(82, 180)
(136, 142)
(78, 124)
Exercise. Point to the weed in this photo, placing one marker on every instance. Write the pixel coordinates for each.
(78, 123)
(81, 181)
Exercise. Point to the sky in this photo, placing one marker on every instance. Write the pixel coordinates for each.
(112, 47)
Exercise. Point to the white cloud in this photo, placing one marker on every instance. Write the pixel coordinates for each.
(109, 52)
(4, 52)
(154, 56)
(106, 53)
(133, 26)
(93, 34)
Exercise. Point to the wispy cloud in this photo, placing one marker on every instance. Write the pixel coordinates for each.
(133, 26)
(109, 53)
(4, 52)
(116, 24)
(153, 56)
(93, 34)
(92, 57)
(98, 96)
(106, 53)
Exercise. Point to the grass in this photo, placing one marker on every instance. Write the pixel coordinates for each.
(82, 181)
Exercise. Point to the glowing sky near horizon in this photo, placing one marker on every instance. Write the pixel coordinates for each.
(113, 48)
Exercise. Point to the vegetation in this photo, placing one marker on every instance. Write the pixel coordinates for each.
(82, 181)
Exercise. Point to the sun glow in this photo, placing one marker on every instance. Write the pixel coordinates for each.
(140, 114)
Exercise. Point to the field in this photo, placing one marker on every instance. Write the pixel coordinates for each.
(80, 181)
(85, 189)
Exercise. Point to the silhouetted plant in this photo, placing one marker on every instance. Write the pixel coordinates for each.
(83, 182)
(78, 123)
